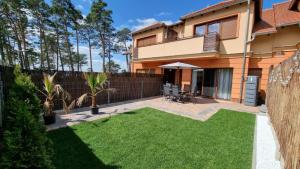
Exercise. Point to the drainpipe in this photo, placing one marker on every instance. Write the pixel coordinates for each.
(245, 51)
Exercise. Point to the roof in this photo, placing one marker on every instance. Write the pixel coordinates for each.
(293, 5)
(153, 26)
(278, 16)
(284, 16)
(217, 6)
(266, 24)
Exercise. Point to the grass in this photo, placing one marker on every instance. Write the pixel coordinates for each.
(149, 138)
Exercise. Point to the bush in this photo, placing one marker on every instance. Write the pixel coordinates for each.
(25, 141)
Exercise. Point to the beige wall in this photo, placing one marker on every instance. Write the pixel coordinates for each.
(285, 37)
(158, 32)
(175, 48)
(180, 30)
(226, 46)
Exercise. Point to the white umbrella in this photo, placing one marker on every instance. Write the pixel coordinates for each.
(179, 65)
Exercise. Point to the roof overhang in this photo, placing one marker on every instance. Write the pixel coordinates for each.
(293, 5)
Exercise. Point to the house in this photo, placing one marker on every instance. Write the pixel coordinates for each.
(228, 41)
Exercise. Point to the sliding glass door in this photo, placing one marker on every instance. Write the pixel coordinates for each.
(224, 83)
(218, 83)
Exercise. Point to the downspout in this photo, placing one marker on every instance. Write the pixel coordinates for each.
(245, 51)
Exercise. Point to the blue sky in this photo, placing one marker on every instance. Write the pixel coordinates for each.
(136, 14)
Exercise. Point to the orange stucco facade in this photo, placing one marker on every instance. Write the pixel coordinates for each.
(263, 50)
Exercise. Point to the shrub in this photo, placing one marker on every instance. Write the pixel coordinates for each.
(25, 141)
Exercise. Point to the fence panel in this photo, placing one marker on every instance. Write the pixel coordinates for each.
(283, 102)
(128, 86)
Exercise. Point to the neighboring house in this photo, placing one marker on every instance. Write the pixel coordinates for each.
(213, 38)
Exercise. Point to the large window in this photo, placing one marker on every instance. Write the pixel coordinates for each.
(214, 27)
(150, 40)
(200, 30)
(227, 28)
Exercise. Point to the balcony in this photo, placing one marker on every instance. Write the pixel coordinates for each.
(179, 47)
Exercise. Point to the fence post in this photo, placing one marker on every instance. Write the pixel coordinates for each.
(108, 94)
(142, 89)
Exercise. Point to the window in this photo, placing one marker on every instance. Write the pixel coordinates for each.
(214, 27)
(150, 40)
(229, 28)
(200, 30)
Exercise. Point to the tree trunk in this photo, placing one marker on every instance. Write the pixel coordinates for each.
(68, 46)
(103, 52)
(94, 104)
(8, 52)
(47, 54)
(90, 50)
(41, 50)
(127, 60)
(77, 43)
(26, 60)
(58, 53)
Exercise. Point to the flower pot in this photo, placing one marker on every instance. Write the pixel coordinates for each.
(50, 119)
(95, 110)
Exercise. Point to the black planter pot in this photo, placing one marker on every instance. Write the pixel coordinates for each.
(95, 110)
(49, 119)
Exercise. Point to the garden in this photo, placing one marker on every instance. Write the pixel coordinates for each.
(142, 138)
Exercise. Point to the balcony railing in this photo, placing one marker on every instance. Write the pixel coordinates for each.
(211, 42)
(178, 47)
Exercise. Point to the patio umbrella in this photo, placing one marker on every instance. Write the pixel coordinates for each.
(179, 65)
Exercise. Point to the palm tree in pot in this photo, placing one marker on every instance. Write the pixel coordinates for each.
(53, 91)
(96, 83)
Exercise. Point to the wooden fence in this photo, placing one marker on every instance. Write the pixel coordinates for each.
(283, 102)
(128, 86)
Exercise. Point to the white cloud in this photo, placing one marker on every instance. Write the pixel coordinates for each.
(164, 14)
(142, 23)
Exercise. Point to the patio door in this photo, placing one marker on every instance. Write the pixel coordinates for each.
(209, 84)
(224, 83)
(197, 81)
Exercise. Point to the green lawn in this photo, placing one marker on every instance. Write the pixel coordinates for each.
(149, 138)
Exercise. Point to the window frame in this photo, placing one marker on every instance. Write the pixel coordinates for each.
(198, 25)
(219, 21)
(147, 37)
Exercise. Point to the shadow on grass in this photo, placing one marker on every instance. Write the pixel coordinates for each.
(70, 152)
(130, 113)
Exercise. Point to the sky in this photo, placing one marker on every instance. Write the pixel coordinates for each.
(135, 14)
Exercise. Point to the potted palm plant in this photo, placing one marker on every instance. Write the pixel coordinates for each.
(53, 91)
(96, 83)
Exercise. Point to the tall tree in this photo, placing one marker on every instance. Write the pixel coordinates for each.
(64, 9)
(88, 34)
(114, 67)
(41, 13)
(124, 37)
(14, 12)
(102, 21)
(76, 18)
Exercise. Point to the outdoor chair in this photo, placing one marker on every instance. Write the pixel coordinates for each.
(167, 92)
(176, 96)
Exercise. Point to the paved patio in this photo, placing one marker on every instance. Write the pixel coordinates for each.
(198, 109)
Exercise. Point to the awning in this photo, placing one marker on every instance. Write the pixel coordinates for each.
(179, 65)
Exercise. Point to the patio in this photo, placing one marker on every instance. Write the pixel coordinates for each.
(198, 109)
